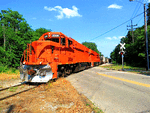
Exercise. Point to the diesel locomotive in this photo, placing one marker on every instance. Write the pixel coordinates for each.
(54, 55)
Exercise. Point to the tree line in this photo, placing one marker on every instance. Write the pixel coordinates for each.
(135, 52)
(92, 46)
(15, 33)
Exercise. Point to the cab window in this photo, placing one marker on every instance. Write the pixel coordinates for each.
(63, 41)
(55, 40)
(69, 42)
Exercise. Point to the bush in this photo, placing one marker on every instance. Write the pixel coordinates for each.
(3, 68)
(114, 62)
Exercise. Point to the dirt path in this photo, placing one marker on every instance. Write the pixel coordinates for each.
(54, 97)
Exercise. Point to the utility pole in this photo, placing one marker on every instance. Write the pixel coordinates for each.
(146, 39)
(146, 36)
(132, 30)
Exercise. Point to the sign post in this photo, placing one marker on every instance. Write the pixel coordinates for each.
(122, 62)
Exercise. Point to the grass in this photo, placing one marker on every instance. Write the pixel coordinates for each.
(9, 73)
(96, 109)
(13, 89)
(91, 105)
(127, 68)
(22, 86)
(118, 67)
(8, 70)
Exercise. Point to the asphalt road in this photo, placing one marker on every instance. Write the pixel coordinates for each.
(114, 91)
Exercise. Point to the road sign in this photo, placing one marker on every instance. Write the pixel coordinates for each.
(122, 46)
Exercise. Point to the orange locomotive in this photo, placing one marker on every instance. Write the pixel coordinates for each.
(54, 55)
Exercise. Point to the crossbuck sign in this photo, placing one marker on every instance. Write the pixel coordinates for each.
(122, 46)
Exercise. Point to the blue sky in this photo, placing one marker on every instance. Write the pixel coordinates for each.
(83, 20)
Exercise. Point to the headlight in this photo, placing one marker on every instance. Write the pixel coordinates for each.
(45, 36)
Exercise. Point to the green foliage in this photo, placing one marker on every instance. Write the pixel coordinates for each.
(92, 46)
(134, 52)
(127, 68)
(15, 33)
(3, 68)
(40, 31)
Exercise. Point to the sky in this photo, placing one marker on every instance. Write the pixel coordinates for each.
(103, 22)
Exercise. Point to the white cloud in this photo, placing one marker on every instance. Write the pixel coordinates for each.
(109, 38)
(64, 12)
(121, 37)
(115, 6)
(148, 1)
(34, 18)
(50, 20)
(114, 37)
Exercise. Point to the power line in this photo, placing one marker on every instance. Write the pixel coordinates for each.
(116, 26)
(135, 9)
(132, 30)
(138, 8)
(140, 20)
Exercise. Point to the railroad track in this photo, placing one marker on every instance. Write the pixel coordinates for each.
(15, 90)
(1, 89)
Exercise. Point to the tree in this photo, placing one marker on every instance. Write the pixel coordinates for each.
(134, 52)
(9, 19)
(92, 46)
(16, 34)
(39, 32)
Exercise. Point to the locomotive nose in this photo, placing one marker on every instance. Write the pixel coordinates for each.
(31, 72)
(35, 73)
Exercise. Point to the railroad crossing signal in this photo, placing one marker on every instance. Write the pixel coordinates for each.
(122, 52)
(122, 46)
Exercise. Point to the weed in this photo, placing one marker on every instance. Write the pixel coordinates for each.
(127, 68)
(87, 104)
(97, 110)
(22, 86)
(13, 89)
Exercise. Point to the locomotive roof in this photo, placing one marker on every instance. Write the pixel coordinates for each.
(54, 33)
